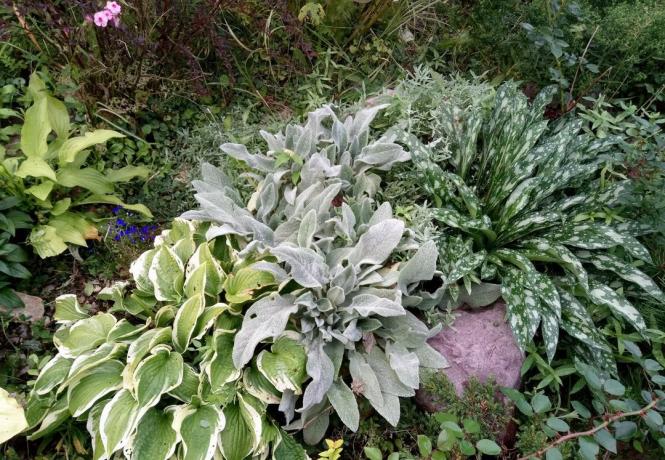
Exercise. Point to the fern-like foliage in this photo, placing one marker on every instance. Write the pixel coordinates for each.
(517, 202)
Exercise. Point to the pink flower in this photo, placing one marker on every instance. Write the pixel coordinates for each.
(108, 14)
(114, 8)
(101, 18)
(116, 21)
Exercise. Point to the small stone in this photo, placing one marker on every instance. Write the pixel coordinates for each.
(33, 309)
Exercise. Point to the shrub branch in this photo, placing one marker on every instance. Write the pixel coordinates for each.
(594, 430)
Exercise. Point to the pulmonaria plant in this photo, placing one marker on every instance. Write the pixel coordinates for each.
(346, 261)
(523, 198)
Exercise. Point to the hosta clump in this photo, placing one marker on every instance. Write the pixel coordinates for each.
(345, 261)
(525, 205)
(157, 378)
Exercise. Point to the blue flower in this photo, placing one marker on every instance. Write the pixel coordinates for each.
(121, 222)
(116, 209)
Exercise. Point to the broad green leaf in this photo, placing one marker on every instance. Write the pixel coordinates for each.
(198, 428)
(36, 167)
(46, 242)
(155, 438)
(289, 449)
(284, 365)
(103, 379)
(186, 319)
(35, 130)
(257, 385)
(12, 417)
(74, 228)
(557, 424)
(127, 173)
(488, 447)
(214, 272)
(117, 421)
(195, 281)
(112, 199)
(89, 360)
(140, 270)
(140, 348)
(72, 146)
(41, 191)
(87, 178)
(158, 374)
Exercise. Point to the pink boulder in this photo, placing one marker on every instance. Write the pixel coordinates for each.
(479, 344)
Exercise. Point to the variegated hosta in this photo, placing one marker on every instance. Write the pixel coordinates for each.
(346, 265)
(519, 202)
(160, 382)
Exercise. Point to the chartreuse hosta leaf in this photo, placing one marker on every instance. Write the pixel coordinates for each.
(521, 195)
(49, 168)
(284, 364)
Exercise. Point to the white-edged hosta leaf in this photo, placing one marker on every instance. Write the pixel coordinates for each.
(117, 421)
(265, 318)
(284, 365)
(85, 363)
(214, 271)
(195, 281)
(157, 374)
(627, 272)
(140, 269)
(220, 368)
(53, 374)
(344, 402)
(208, 318)
(84, 335)
(67, 308)
(155, 438)
(198, 429)
(618, 305)
(186, 319)
(242, 430)
(140, 348)
(239, 287)
(257, 385)
(166, 274)
(307, 267)
(55, 416)
(98, 382)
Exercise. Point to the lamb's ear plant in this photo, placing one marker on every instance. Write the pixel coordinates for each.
(50, 175)
(345, 262)
(157, 379)
(526, 206)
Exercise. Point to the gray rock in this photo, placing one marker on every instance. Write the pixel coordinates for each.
(479, 344)
(33, 309)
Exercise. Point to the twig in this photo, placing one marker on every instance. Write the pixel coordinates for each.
(579, 65)
(592, 431)
(24, 26)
